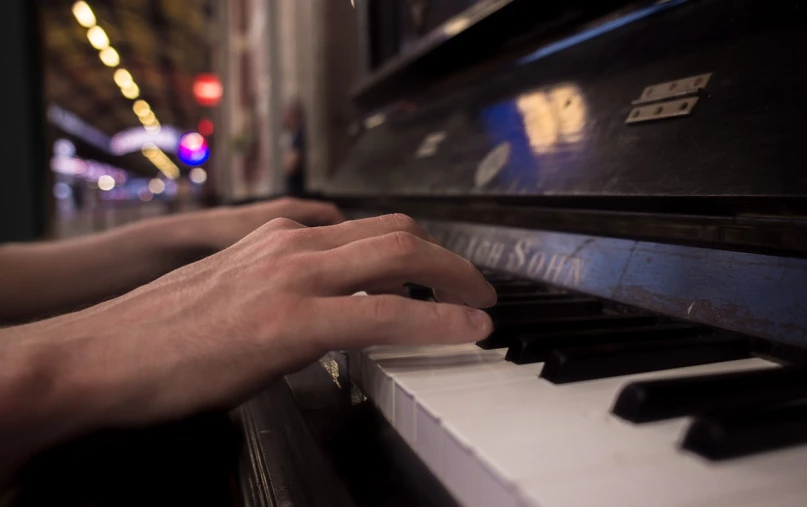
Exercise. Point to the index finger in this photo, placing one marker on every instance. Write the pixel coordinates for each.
(397, 258)
(357, 230)
(358, 322)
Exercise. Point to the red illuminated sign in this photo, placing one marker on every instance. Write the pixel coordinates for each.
(206, 127)
(207, 90)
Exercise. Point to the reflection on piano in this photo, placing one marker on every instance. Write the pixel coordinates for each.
(631, 179)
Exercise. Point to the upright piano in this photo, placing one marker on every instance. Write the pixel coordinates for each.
(631, 177)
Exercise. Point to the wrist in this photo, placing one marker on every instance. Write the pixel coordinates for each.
(176, 240)
(40, 400)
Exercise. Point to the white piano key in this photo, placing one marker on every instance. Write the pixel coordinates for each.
(472, 483)
(558, 431)
(494, 433)
(378, 380)
(677, 479)
(404, 402)
(465, 368)
(379, 387)
(429, 440)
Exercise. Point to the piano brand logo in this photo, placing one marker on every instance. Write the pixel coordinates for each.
(522, 256)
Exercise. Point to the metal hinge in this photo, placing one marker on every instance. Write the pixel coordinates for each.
(652, 103)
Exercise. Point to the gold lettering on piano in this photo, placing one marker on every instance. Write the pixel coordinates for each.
(471, 248)
(524, 255)
(555, 267)
(495, 255)
(536, 264)
(517, 258)
(482, 251)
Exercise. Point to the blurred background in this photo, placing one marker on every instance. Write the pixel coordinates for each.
(117, 110)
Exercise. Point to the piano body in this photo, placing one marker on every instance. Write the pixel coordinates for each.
(631, 177)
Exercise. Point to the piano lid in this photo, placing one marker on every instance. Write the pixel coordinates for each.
(558, 123)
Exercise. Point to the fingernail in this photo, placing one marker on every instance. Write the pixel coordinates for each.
(494, 295)
(479, 319)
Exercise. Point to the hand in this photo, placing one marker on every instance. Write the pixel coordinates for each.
(220, 228)
(213, 333)
(51, 278)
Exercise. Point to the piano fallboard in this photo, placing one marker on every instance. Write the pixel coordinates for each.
(754, 294)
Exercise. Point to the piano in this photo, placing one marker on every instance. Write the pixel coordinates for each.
(631, 178)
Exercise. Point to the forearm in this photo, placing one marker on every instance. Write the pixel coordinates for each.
(41, 403)
(45, 279)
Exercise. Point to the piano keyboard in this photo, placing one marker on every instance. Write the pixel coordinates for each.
(529, 417)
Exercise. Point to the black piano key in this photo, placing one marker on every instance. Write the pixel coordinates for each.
(525, 310)
(733, 434)
(494, 278)
(655, 400)
(518, 287)
(587, 363)
(536, 347)
(419, 292)
(533, 296)
(504, 334)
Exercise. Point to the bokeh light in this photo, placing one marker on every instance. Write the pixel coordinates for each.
(156, 186)
(198, 175)
(109, 57)
(206, 127)
(98, 38)
(193, 149)
(83, 14)
(106, 182)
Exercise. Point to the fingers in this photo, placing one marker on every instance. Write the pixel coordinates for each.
(310, 213)
(447, 297)
(397, 291)
(355, 322)
(356, 230)
(397, 258)
(313, 213)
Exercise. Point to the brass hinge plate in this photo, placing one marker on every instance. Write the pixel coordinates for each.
(661, 110)
(684, 86)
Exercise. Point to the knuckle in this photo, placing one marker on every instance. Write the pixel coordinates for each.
(332, 209)
(283, 224)
(286, 201)
(405, 222)
(326, 210)
(437, 316)
(385, 309)
(400, 221)
(403, 244)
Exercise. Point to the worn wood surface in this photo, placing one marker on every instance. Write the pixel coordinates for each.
(315, 443)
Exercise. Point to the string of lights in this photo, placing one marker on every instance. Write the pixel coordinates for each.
(128, 87)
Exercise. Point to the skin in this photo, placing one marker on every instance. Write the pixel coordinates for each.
(46, 279)
(213, 333)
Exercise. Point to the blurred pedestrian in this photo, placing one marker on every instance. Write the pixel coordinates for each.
(294, 166)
